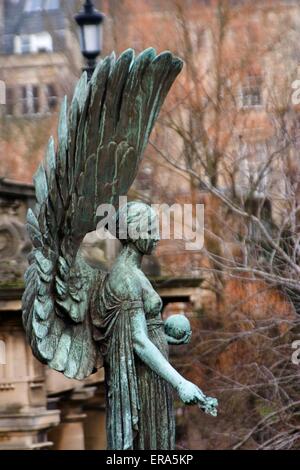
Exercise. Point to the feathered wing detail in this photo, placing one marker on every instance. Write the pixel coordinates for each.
(101, 139)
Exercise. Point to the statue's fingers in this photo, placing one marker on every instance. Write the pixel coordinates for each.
(187, 338)
(213, 402)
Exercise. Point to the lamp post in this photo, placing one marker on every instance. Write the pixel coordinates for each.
(90, 22)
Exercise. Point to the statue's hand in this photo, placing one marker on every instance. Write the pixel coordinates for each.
(184, 340)
(189, 393)
(209, 405)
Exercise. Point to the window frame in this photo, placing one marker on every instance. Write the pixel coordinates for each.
(30, 100)
(51, 108)
(10, 102)
(251, 88)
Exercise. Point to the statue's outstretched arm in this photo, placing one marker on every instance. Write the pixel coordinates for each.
(188, 392)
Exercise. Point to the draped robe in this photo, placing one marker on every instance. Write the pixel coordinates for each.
(139, 403)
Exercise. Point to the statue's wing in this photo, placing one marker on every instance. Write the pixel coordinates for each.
(101, 139)
(56, 314)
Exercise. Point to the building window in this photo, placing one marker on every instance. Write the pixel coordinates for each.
(42, 42)
(22, 44)
(10, 101)
(52, 98)
(51, 5)
(251, 92)
(30, 99)
(33, 5)
(25, 45)
(38, 5)
(34, 43)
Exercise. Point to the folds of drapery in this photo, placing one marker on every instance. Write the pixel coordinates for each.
(112, 331)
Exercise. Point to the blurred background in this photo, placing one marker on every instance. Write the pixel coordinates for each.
(227, 137)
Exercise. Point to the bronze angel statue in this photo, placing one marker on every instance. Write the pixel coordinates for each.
(77, 318)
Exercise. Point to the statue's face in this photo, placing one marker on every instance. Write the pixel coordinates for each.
(149, 239)
(138, 224)
(153, 239)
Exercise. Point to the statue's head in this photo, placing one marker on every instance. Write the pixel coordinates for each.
(137, 223)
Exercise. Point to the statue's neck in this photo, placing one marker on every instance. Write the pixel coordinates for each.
(131, 255)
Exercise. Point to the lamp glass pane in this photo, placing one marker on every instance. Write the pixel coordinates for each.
(81, 38)
(91, 38)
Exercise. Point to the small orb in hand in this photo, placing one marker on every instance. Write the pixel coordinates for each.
(177, 326)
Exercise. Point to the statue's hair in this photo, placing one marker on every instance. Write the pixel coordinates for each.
(134, 223)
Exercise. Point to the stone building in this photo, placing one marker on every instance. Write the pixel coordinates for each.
(37, 54)
(39, 63)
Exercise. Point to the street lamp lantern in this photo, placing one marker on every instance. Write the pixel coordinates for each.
(90, 22)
